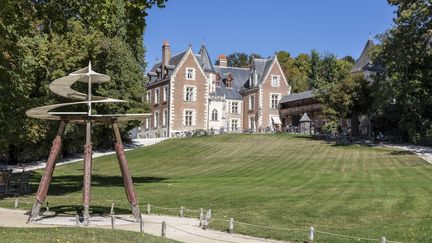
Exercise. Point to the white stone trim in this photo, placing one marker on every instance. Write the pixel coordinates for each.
(283, 75)
(193, 117)
(165, 93)
(189, 52)
(156, 120)
(278, 77)
(157, 96)
(164, 117)
(270, 100)
(187, 72)
(194, 93)
(261, 105)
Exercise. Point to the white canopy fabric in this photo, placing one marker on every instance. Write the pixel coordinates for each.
(276, 120)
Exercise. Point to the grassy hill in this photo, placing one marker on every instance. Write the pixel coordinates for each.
(284, 181)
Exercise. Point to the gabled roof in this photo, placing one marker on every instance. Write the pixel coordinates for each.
(297, 96)
(261, 67)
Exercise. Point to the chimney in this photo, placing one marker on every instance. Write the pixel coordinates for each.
(166, 56)
(222, 60)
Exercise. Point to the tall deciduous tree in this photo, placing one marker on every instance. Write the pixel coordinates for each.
(406, 51)
(45, 40)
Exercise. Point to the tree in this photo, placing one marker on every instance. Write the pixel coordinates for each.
(45, 40)
(406, 51)
(295, 71)
(240, 59)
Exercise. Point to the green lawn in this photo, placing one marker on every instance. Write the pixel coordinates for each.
(279, 180)
(66, 234)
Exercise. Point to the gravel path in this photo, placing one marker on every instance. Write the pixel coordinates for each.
(422, 151)
(180, 229)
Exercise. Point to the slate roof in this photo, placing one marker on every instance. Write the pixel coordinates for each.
(364, 63)
(204, 59)
(172, 64)
(261, 67)
(297, 96)
(239, 75)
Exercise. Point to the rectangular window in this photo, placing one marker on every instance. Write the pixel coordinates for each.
(156, 119)
(188, 118)
(228, 82)
(189, 93)
(234, 125)
(275, 80)
(148, 96)
(251, 101)
(147, 123)
(157, 96)
(234, 107)
(274, 101)
(251, 123)
(165, 94)
(190, 73)
(165, 117)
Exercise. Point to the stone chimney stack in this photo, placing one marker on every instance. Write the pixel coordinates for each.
(166, 56)
(222, 60)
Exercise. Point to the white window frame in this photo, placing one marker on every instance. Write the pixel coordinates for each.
(271, 100)
(164, 117)
(156, 119)
(147, 123)
(213, 115)
(185, 94)
(275, 80)
(165, 93)
(252, 104)
(157, 96)
(236, 123)
(191, 71)
(149, 96)
(235, 104)
(251, 121)
(192, 123)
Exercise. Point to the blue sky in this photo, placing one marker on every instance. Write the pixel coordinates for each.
(264, 27)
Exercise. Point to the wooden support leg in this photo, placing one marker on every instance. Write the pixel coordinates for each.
(49, 170)
(87, 174)
(127, 178)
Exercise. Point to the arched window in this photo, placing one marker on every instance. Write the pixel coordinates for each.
(214, 115)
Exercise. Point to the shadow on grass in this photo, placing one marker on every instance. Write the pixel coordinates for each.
(61, 185)
(401, 152)
(78, 210)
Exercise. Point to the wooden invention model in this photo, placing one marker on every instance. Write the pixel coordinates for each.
(62, 87)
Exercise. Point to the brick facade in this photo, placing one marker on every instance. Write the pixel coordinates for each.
(210, 97)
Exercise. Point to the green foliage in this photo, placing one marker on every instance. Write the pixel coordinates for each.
(406, 52)
(330, 127)
(44, 40)
(295, 70)
(240, 59)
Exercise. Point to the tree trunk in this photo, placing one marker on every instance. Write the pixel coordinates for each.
(355, 132)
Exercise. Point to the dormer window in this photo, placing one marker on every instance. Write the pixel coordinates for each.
(228, 82)
(217, 80)
(190, 73)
